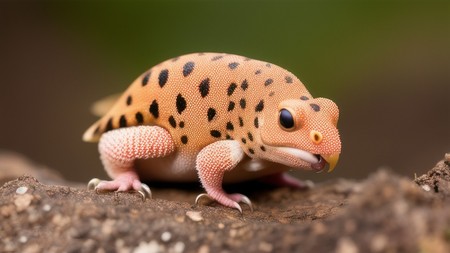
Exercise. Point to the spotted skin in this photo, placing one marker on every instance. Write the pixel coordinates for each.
(221, 113)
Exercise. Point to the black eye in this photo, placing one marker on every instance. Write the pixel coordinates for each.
(286, 119)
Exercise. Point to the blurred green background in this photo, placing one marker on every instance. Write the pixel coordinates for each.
(385, 63)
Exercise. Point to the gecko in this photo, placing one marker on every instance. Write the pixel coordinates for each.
(215, 118)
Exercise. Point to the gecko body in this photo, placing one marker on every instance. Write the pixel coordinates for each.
(218, 118)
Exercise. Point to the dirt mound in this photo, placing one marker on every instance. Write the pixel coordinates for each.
(384, 213)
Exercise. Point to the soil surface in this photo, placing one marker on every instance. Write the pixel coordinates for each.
(383, 213)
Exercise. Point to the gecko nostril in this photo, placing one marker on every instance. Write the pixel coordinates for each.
(315, 136)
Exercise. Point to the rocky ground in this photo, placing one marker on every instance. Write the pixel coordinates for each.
(383, 213)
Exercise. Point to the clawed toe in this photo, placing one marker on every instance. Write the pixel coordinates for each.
(145, 192)
(247, 201)
(93, 183)
(200, 196)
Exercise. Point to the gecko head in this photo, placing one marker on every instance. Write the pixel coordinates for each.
(302, 133)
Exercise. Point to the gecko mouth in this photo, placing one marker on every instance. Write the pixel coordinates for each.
(317, 162)
(320, 165)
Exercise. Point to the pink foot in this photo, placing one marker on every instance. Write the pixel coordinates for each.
(230, 200)
(284, 179)
(126, 181)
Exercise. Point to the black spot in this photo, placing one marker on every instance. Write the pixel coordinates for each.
(215, 58)
(181, 124)
(231, 106)
(250, 136)
(204, 87)
(258, 72)
(260, 106)
(256, 122)
(242, 103)
(315, 107)
(184, 139)
(145, 79)
(231, 89)
(215, 133)
(163, 76)
(228, 137)
(244, 140)
(268, 82)
(180, 103)
(139, 118)
(233, 65)
(172, 121)
(97, 130)
(129, 100)
(109, 125)
(304, 98)
(211, 114)
(262, 148)
(251, 151)
(241, 122)
(188, 68)
(230, 126)
(244, 85)
(154, 109)
(288, 79)
(271, 94)
(268, 65)
(122, 121)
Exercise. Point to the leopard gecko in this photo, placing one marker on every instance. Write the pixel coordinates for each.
(216, 118)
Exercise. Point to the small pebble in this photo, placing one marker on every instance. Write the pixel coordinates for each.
(221, 225)
(21, 190)
(203, 249)
(23, 239)
(23, 202)
(233, 233)
(447, 157)
(151, 247)
(166, 236)
(426, 187)
(266, 247)
(379, 243)
(47, 207)
(195, 216)
(346, 245)
(179, 247)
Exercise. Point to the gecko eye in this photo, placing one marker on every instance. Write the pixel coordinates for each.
(286, 120)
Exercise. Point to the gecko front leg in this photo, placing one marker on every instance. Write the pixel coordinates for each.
(212, 163)
(121, 147)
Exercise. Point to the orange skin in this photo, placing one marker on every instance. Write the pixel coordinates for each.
(214, 117)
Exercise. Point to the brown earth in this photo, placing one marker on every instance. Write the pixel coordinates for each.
(383, 213)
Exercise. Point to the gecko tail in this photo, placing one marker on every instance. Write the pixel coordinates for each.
(102, 106)
(93, 133)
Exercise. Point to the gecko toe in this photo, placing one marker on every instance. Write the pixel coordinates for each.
(92, 184)
(200, 196)
(237, 206)
(145, 192)
(247, 201)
